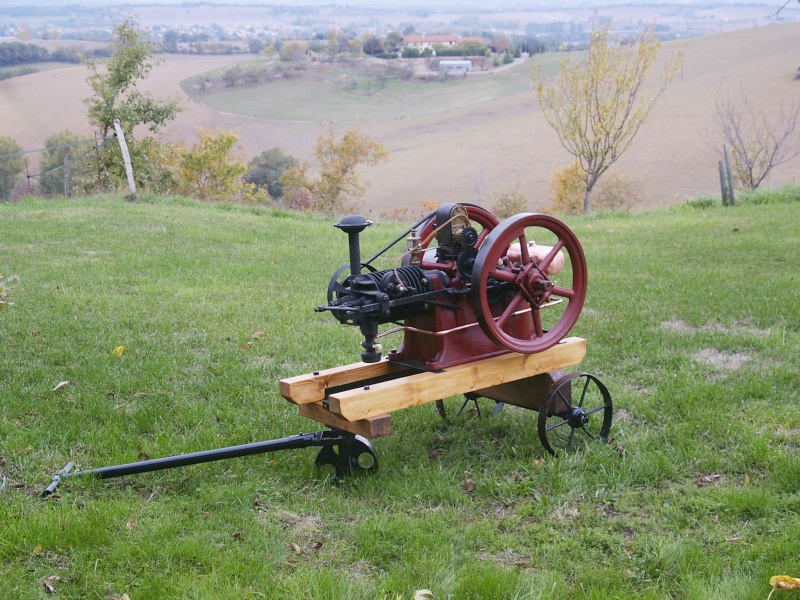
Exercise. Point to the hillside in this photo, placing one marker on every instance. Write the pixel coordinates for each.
(468, 151)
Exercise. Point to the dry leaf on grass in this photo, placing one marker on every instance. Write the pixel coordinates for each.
(423, 595)
(59, 385)
(296, 548)
(783, 582)
(48, 582)
(118, 351)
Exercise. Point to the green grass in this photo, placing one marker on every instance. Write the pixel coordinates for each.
(691, 321)
(362, 92)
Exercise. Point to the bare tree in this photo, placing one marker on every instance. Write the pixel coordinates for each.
(757, 144)
(597, 105)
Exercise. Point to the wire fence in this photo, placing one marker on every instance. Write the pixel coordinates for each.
(50, 171)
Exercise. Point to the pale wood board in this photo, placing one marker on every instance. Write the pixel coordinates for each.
(421, 388)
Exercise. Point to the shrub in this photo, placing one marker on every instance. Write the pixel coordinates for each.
(618, 191)
(510, 203)
(12, 165)
(615, 191)
(567, 189)
(266, 169)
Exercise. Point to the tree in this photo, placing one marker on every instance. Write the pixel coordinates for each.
(337, 185)
(598, 105)
(209, 172)
(757, 144)
(266, 169)
(12, 164)
(372, 45)
(332, 46)
(57, 147)
(293, 51)
(115, 96)
(114, 86)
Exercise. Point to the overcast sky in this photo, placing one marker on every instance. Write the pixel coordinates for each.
(478, 5)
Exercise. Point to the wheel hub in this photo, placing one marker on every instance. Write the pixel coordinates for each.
(577, 417)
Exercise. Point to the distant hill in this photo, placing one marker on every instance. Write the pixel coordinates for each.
(478, 149)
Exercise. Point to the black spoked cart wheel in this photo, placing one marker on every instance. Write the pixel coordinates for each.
(353, 454)
(576, 412)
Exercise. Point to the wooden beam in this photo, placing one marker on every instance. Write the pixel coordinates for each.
(421, 388)
(371, 427)
(530, 392)
(304, 389)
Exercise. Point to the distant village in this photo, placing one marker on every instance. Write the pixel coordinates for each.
(207, 28)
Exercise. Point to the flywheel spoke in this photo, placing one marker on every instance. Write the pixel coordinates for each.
(522, 275)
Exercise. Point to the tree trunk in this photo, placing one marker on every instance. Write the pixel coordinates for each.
(587, 201)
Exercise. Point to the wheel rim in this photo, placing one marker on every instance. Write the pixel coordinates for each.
(510, 301)
(576, 412)
(354, 455)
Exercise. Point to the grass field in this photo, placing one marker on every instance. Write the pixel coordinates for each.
(360, 91)
(691, 320)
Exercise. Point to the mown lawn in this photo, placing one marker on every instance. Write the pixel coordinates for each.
(691, 321)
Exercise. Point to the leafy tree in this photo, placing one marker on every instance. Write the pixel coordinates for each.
(17, 53)
(337, 185)
(12, 164)
(598, 105)
(393, 40)
(114, 86)
(266, 169)
(58, 146)
(293, 51)
(373, 45)
(332, 46)
(115, 96)
(757, 144)
(209, 172)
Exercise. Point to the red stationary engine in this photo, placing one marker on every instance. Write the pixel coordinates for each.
(466, 287)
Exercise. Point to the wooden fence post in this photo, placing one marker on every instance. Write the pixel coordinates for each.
(126, 157)
(67, 169)
(723, 186)
(730, 177)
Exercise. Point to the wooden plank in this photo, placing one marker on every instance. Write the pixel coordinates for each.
(389, 396)
(371, 427)
(312, 387)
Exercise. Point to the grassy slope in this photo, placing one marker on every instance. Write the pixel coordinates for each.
(373, 99)
(691, 321)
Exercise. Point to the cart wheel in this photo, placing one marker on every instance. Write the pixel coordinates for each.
(355, 455)
(520, 306)
(577, 411)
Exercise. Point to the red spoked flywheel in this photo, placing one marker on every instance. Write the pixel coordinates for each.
(521, 303)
